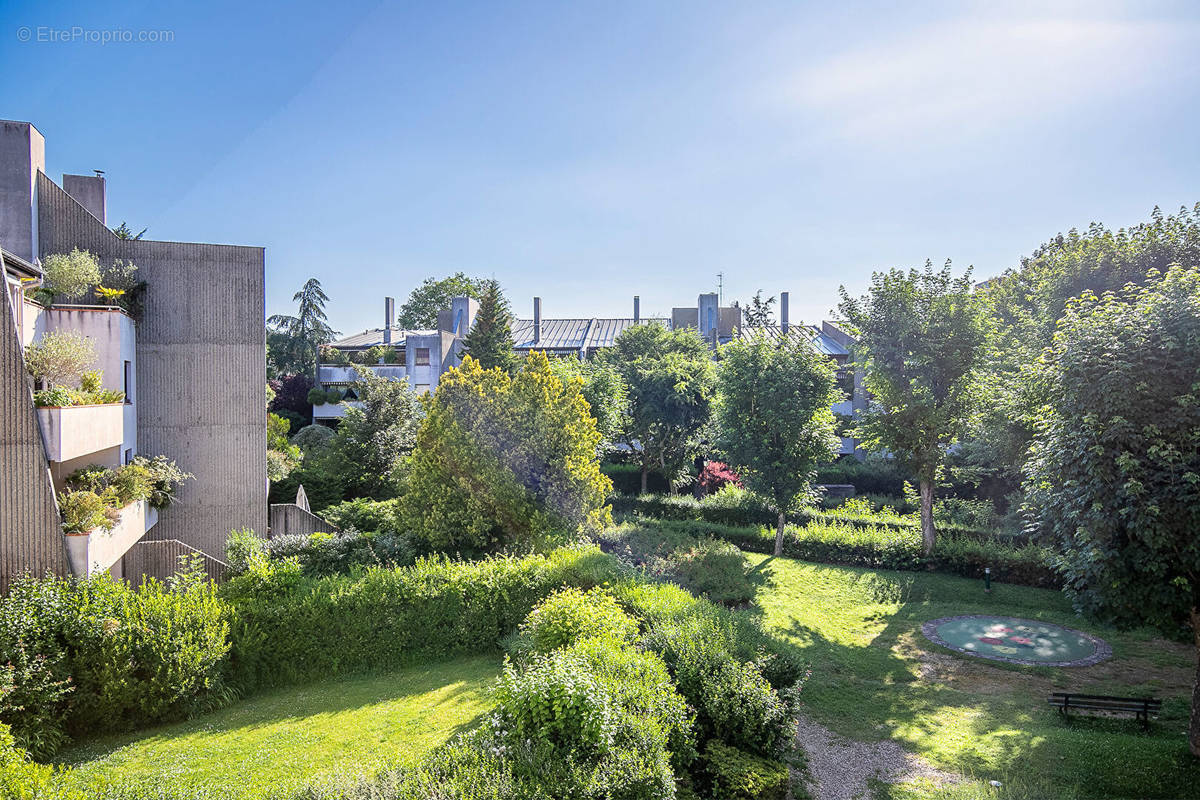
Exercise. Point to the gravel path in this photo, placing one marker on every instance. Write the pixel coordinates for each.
(839, 768)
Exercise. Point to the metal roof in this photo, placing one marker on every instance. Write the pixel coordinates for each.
(374, 337)
(573, 334)
(19, 266)
(811, 334)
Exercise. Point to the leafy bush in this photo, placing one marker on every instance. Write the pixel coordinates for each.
(71, 275)
(95, 495)
(59, 357)
(312, 437)
(334, 395)
(717, 570)
(627, 479)
(96, 655)
(717, 475)
(570, 615)
(84, 510)
(316, 396)
(22, 779)
(365, 514)
(505, 461)
(737, 775)
(328, 553)
(875, 475)
(387, 618)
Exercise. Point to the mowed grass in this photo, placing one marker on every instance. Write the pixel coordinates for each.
(284, 740)
(875, 676)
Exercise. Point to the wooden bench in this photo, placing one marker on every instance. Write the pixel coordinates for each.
(1141, 707)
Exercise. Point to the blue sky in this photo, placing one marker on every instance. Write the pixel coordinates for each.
(589, 152)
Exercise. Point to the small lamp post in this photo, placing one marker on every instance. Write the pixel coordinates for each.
(987, 579)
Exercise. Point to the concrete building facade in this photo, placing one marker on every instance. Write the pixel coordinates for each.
(193, 365)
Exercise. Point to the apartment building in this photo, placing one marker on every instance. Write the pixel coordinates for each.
(422, 356)
(192, 369)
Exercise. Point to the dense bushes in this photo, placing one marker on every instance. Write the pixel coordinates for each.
(96, 655)
(737, 775)
(875, 475)
(94, 495)
(363, 514)
(627, 479)
(571, 615)
(505, 461)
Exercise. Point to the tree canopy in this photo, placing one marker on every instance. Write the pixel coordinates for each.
(920, 341)
(295, 341)
(490, 340)
(420, 310)
(758, 311)
(774, 417)
(1114, 474)
(670, 380)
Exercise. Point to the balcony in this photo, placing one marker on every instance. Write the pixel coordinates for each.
(98, 549)
(337, 373)
(74, 431)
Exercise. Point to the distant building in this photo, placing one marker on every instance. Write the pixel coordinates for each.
(420, 357)
(192, 368)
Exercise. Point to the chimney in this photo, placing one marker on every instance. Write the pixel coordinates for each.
(537, 320)
(88, 191)
(389, 313)
(783, 311)
(637, 309)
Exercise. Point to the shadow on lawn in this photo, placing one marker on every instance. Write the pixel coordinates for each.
(343, 694)
(975, 717)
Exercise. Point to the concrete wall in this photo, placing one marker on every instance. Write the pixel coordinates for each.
(201, 359)
(22, 157)
(31, 538)
(289, 518)
(88, 191)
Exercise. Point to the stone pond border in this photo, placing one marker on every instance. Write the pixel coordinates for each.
(1103, 648)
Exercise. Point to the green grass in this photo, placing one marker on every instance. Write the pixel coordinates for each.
(282, 741)
(875, 676)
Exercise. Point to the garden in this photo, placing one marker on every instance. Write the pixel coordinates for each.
(533, 588)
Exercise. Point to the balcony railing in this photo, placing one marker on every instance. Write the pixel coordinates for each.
(74, 431)
(97, 550)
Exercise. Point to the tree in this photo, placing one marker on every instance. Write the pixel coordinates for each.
(758, 311)
(920, 340)
(421, 309)
(1114, 473)
(670, 378)
(490, 340)
(60, 358)
(505, 461)
(1024, 306)
(71, 275)
(282, 456)
(123, 231)
(375, 442)
(774, 417)
(299, 338)
(604, 391)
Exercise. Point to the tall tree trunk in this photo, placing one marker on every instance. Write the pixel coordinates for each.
(645, 473)
(928, 534)
(1194, 723)
(779, 534)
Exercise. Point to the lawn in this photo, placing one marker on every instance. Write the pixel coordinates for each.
(875, 676)
(284, 740)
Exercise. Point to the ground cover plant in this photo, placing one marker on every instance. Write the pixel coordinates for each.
(880, 679)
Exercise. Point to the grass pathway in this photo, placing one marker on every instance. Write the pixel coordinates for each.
(283, 740)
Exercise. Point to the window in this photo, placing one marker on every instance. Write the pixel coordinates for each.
(128, 450)
(128, 382)
(422, 357)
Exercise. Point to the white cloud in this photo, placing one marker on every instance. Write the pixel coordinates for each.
(974, 74)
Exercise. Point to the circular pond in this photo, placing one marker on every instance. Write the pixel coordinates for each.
(1018, 641)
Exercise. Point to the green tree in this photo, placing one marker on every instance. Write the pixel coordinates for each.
(1114, 474)
(490, 340)
(420, 310)
(374, 442)
(282, 456)
(774, 417)
(296, 340)
(758, 311)
(60, 358)
(505, 460)
(71, 275)
(123, 231)
(604, 391)
(670, 380)
(920, 340)
(1025, 304)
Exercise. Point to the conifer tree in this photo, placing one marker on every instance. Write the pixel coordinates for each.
(490, 341)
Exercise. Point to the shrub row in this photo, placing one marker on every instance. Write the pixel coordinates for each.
(888, 548)
(733, 506)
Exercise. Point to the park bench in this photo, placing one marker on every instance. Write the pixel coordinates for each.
(1141, 707)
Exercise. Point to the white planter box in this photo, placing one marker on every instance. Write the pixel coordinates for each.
(74, 431)
(97, 550)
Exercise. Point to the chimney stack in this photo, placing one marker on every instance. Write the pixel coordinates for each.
(537, 320)
(637, 309)
(389, 313)
(783, 311)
